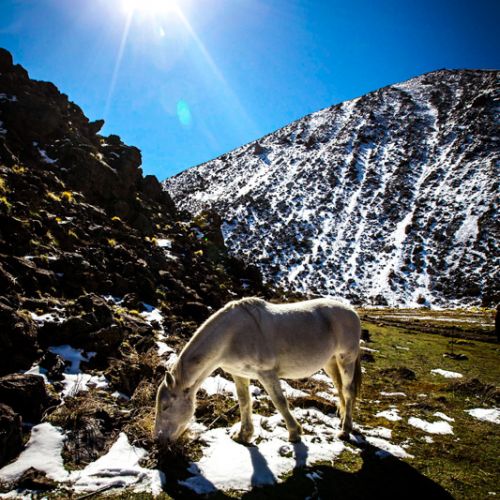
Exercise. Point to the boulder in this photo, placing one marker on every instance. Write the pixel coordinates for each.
(18, 338)
(27, 395)
(11, 436)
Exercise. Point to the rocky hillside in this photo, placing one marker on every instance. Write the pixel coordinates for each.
(96, 265)
(391, 198)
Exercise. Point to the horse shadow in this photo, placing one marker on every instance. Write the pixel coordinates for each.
(381, 475)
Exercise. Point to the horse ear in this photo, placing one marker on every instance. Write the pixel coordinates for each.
(169, 379)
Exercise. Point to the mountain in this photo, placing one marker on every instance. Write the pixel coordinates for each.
(390, 198)
(97, 265)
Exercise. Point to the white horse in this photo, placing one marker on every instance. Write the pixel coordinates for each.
(254, 339)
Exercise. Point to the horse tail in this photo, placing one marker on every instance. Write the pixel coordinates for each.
(357, 375)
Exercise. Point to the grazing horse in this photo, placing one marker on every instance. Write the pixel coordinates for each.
(254, 339)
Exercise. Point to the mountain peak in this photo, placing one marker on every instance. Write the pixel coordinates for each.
(389, 198)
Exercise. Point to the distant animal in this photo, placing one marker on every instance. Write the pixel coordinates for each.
(254, 339)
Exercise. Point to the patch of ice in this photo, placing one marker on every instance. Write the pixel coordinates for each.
(382, 432)
(387, 448)
(37, 370)
(72, 355)
(290, 392)
(485, 414)
(81, 382)
(328, 396)
(43, 318)
(439, 427)
(446, 373)
(322, 377)
(391, 394)
(228, 465)
(6, 97)
(119, 468)
(428, 439)
(114, 300)
(152, 314)
(443, 416)
(164, 243)
(220, 385)
(44, 155)
(42, 452)
(163, 348)
(390, 414)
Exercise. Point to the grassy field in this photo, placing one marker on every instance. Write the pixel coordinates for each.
(399, 359)
(402, 349)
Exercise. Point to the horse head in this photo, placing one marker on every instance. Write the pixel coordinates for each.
(174, 409)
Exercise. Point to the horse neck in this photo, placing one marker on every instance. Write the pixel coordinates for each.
(198, 359)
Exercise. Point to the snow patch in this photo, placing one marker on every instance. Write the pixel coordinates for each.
(119, 468)
(439, 427)
(42, 452)
(390, 414)
(485, 414)
(228, 465)
(446, 373)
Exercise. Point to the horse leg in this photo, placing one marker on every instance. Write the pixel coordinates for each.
(332, 369)
(272, 386)
(245, 401)
(347, 368)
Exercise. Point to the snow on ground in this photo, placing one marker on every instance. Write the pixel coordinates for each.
(74, 380)
(443, 416)
(220, 385)
(439, 427)
(392, 394)
(43, 318)
(43, 452)
(485, 414)
(71, 355)
(164, 243)
(119, 468)
(81, 382)
(228, 465)
(390, 414)
(446, 373)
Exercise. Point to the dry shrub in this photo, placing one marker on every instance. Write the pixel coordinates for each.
(140, 425)
(91, 421)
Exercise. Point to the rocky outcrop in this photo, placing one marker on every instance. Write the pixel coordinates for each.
(27, 395)
(391, 198)
(11, 436)
(87, 244)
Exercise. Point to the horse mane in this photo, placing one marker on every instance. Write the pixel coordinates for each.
(245, 303)
(249, 304)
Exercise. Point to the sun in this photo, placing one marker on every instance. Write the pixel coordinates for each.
(151, 7)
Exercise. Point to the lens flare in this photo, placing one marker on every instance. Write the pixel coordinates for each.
(184, 113)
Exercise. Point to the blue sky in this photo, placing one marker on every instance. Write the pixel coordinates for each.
(187, 80)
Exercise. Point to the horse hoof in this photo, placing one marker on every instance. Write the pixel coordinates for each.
(344, 435)
(240, 438)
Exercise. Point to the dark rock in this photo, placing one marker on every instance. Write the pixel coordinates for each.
(27, 395)
(95, 126)
(196, 310)
(151, 187)
(6, 62)
(54, 365)
(11, 436)
(18, 339)
(35, 480)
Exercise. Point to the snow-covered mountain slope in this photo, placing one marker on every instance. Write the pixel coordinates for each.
(388, 198)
